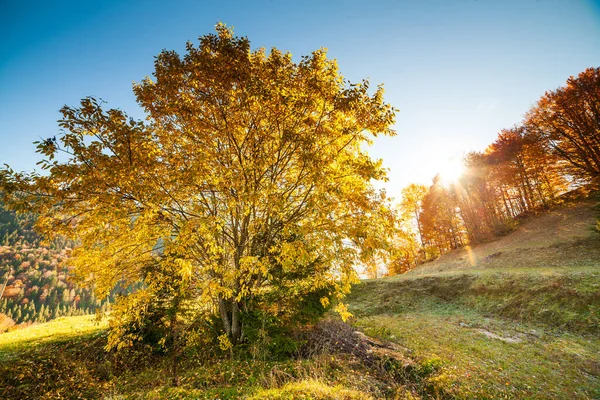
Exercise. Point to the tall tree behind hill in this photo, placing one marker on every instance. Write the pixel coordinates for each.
(409, 240)
(568, 120)
(441, 225)
(529, 175)
(515, 174)
(480, 200)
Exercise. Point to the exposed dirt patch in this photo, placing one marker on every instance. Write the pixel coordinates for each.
(506, 339)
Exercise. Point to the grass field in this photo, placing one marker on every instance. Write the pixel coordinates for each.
(516, 318)
(60, 330)
(491, 343)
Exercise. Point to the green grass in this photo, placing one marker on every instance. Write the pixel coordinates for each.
(324, 376)
(485, 355)
(515, 318)
(473, 365)
(499, 334)
(565, 299)
(58, 359)
(58, 330)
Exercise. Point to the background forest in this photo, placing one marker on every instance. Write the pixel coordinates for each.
(35, 282)
(554, 149)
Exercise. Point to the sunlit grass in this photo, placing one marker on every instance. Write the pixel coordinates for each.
(520, 332)
(539, 365)
(60, 329)
(310, 389)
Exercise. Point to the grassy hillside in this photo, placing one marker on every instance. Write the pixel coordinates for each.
(515, 318)
(564, 236)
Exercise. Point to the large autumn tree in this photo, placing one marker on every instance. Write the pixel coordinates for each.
(247, 185)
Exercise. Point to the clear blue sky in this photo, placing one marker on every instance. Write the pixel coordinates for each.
(459, 71)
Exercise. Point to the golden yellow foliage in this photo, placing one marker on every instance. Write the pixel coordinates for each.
(247, 163)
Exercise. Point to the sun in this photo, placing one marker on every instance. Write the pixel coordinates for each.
(451, 170)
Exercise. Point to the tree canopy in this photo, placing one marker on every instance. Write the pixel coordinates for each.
(568, 121)
(247, 185)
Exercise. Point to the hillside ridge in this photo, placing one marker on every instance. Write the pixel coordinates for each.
(564, 235)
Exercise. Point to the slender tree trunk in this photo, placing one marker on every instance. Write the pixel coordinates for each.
(174, 349)
(236, 326)
(224, 316)
(507, 205)
(419, 227)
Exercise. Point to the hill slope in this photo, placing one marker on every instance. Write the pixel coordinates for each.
(564, 236)
(515, 318)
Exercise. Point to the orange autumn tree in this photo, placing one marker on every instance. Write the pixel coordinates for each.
(567, 121)
(247, 186)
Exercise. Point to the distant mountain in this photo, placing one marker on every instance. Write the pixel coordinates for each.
(35, 284)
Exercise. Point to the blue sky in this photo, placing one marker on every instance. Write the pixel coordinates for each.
(458, 71)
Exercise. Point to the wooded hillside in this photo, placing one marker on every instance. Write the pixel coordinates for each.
(35, 282)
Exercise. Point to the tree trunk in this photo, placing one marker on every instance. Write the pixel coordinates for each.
(236, 326)
(225, 316)
(174, 349)
(230, 316)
